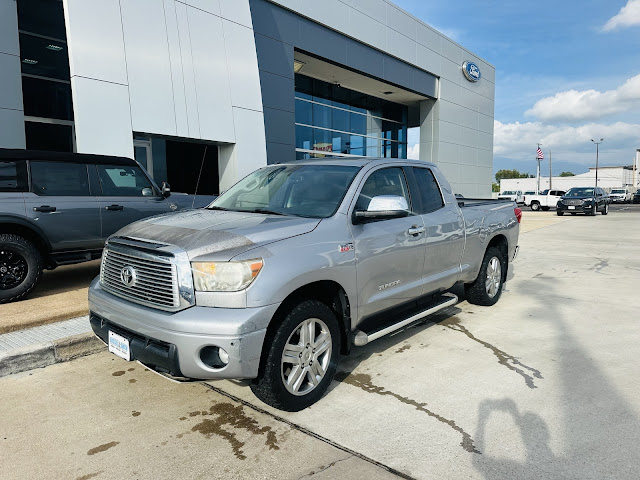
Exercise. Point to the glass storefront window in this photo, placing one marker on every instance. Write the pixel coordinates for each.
(321, 115)
(50, 137)
(47, 99)
(44, 17)
(46, 85)
(304, 112)
(43, 57)
(333, 120)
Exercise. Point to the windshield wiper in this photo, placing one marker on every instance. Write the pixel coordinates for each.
(267, 211)
(220, 208)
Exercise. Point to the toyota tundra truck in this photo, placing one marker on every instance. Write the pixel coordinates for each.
(285, 271)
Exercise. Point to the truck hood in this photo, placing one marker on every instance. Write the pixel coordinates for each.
(217, 235)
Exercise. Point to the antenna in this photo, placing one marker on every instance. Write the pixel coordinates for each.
(199, 175)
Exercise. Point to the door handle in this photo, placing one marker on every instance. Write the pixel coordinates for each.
(115, 207)
(415, 230)
(44, 209)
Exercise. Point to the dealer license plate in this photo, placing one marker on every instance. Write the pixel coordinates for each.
(571, 207)
(119, 345)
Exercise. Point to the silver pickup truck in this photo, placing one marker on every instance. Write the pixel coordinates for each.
(282, 273)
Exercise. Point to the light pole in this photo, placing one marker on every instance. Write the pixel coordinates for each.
(597, 154)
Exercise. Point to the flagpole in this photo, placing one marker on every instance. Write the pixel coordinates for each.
(549, 169)
(538, 172)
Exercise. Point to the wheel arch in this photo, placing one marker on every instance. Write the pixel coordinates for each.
(26, 229)
(329, 292)
(501, 243)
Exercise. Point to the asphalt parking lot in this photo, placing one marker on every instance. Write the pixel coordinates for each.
(542, 385)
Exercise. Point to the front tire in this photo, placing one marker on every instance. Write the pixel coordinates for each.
(20, 267)
(559, 213)
(302, 358)
(487, 287)
(606, 209)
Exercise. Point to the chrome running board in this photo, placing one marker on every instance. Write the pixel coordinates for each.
(361, 338)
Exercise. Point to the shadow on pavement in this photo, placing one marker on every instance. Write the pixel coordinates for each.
(600, 431)
(66, 278)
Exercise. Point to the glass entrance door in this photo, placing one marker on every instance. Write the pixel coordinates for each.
(143, 155)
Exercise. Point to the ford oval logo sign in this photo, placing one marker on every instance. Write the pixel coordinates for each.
(471, 71)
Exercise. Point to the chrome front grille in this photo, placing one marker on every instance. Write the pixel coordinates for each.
(573, 202)
(140, 277)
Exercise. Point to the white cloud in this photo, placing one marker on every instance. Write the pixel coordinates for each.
(518, 140)
(574, 105)
(413, 153)
(628, 16)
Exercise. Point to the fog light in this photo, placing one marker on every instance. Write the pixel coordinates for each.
(224, 356)
(214, 357)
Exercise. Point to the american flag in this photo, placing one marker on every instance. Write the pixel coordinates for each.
(540, 154)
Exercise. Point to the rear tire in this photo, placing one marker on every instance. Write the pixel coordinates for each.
(301, 360)
(20, 267)
(535, 206)
(545, 209)
(559, 213)
(486, 289)
(606, 209)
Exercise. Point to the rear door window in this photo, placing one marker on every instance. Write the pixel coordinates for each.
(429, 190)
(13, 176)
(124, 181)
(59, 179)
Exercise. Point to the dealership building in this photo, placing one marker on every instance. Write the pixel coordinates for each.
(223, 87)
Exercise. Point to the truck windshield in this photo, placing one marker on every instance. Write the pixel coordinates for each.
(313, 191)
(579, 192)
(618, 191)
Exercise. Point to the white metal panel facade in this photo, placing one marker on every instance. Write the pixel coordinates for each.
(164, 67)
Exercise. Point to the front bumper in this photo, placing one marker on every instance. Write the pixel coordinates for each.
(171, 342)
(587, 209)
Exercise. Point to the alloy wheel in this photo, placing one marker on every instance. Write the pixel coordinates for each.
(494, 277)
(13, 269)
(306, 356)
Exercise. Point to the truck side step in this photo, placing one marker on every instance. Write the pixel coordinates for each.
(361, 338)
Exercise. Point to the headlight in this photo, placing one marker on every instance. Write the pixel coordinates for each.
(225, 276)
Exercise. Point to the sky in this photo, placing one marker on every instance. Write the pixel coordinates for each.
(567, 71)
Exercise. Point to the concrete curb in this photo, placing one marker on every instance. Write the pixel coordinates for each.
(48, 353)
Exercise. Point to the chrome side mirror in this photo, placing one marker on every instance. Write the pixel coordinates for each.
(384, 207)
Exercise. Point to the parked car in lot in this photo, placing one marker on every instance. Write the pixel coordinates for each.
(546, 200)
(528, 193)
(620, 195)
(585, 200)
(514, 195)
(59, 208)
(285, 270)
(636, 197)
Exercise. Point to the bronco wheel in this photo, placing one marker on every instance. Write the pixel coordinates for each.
(487, 287)
(301, 359)
(535, 206)
(20, 267)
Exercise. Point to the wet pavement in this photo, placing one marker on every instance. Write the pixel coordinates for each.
(542, 385)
